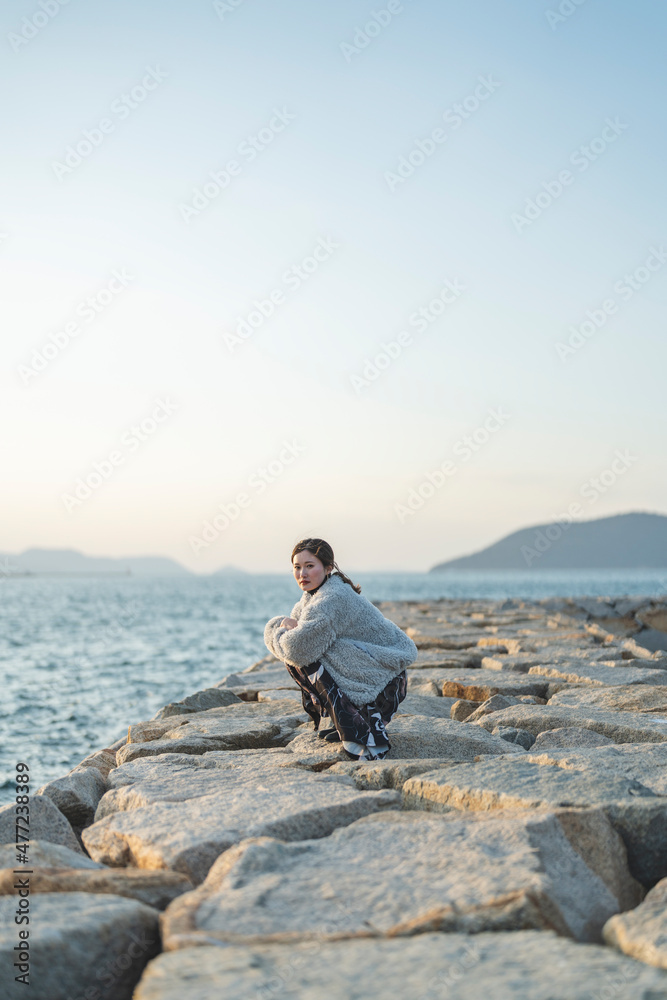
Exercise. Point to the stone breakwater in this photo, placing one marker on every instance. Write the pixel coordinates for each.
(513, 844)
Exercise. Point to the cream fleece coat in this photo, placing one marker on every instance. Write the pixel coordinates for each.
(361, 649)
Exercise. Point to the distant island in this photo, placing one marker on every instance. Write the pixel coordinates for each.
(623, 541)
(69, 562)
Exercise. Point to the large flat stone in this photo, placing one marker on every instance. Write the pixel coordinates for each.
(622, 698)
(412, 737)
(424, 704)
(598, 673)
(642, 932)
(621, 727)
(596, 777)
(154, 888)
(46, 823)
(180, 812)
(404, 873)
(479, 685)
(242, 726)
(517, 965)
(79, 941)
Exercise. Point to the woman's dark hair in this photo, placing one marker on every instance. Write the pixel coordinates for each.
(324, 553)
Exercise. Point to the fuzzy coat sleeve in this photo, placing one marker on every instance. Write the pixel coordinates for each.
(307, 641)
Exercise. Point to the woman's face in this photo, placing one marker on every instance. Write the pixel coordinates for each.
(309, 571)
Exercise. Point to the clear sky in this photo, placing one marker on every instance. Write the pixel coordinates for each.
(452, 217)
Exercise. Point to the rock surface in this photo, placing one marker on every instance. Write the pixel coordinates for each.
(413, 737)
(459, 827)
(621, 727)
(517, 965)
(43, 854)
(77, 793)
(181, 812)
(200, 701)
(615, 698)
(236, 727)
(79, 941)
(46, 823)
(569, 736)
(448, 873)
(642, 932)
(539, 781)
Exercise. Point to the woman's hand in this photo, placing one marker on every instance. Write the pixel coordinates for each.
(289, 623)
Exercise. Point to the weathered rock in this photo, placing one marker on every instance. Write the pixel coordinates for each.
(180, 811)
(387, 773)
(258, 680)
(462, 709)
(621, 727)
(405, 873)
(516, 965)
(520, 737)
(200, 701)
(279, 694)
(571, 736)
(551, 780)
(416, 704)
(154, 888)
(623, 698)
(411, 737)
(46, 823)
(598, 673)
(493, 704)
(482, 684)
(417, 685)
(642, 932)
(77, 794)
(102, 760)
(652, 639)
(520, 663)
(79, 941)
(42, 854)
(241, 726)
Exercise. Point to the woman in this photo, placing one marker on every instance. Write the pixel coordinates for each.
(347, 658)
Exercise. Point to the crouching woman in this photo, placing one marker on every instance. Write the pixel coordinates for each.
(347, 658)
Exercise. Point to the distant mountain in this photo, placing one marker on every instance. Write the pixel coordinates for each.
(69, 561)
(230, 570)
(623, 541)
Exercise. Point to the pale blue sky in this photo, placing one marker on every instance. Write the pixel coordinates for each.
(322, 181)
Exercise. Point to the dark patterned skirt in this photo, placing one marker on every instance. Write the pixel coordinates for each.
(361, 730)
